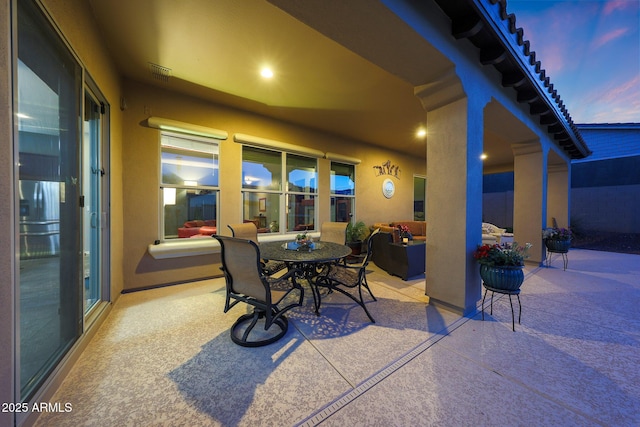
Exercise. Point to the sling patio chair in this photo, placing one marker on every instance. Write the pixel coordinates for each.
(249, 231)
(342, 278)
(335, 232)
(246, 282)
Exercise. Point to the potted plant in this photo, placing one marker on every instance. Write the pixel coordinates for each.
(557, 239)
(356, 234)
(501, 266)
(404, 234)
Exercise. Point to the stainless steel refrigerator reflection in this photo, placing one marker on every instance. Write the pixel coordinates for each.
(39, 219)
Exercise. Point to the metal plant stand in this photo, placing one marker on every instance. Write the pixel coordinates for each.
(555, 246)
(565, 258)
(515, 292)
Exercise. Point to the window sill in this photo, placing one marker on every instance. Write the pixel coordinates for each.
(180, 248)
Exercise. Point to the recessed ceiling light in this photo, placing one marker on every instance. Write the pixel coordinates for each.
(483, 156)
(421, 133)
(266, 72)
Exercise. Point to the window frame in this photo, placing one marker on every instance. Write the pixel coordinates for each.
(333, 196)
(215, 189)
(284, 192)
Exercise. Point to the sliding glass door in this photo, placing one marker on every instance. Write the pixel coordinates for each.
(62, 155)
(49, 105)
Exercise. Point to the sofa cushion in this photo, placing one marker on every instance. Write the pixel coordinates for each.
(207, 231)
(194, 223)
(185, 232)
(488, 228)
(418, 229)
(386, 228)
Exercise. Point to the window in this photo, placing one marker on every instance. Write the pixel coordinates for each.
(343, 195)
(419, 198)
(189, 185)
(278, 188)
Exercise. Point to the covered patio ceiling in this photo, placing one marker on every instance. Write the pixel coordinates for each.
(214, 50)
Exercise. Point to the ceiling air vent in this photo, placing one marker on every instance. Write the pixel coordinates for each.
(159, 72)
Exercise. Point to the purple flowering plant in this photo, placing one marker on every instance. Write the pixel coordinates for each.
(555, 233)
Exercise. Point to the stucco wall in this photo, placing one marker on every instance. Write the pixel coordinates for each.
(497, 208)
(611, 208)
(141, 155)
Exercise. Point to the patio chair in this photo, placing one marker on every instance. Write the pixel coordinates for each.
(249, 231)
(335, 232)
(246, 282)
(338, 276)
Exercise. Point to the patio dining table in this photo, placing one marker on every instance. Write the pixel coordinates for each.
(309, 262)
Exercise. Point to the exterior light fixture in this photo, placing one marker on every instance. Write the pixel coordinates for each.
(483, 156)
(421, 133)
(266, 72)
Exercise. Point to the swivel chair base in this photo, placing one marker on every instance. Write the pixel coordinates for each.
(263, 337)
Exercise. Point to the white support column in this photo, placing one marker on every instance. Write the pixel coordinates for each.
(529, 198)
(454, 203)
(558, 195)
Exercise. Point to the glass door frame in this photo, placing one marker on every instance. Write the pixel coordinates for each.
(103, 269)
(82, 320)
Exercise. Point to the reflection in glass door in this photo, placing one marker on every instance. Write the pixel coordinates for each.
(92, 173)
(49, 103)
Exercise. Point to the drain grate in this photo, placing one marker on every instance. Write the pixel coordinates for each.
(333, 407)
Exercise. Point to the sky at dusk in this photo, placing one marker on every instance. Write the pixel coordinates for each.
(590, 50)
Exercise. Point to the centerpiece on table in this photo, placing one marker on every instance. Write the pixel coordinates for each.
(501, 266)
(303, 242)
(557, 239)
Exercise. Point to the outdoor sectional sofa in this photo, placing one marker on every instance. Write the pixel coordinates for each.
(402, 260)
(492, 234)
(418, 229)
(197, 228)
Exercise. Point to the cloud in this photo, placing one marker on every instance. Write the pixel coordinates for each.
(613, 5)
(557, 34)
(615, 103)
(626, 90)
(608, 37)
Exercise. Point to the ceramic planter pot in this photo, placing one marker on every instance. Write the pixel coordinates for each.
(558, 246)
(508, 278)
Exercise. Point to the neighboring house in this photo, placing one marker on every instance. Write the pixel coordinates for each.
(605, 187)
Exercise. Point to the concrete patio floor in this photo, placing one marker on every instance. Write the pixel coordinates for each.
(164, 357)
